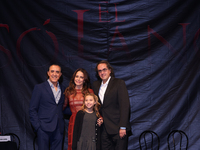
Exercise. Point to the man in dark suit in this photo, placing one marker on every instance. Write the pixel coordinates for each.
(45, 111)
(115, 105)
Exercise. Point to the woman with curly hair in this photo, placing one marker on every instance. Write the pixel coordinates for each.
(74, 95)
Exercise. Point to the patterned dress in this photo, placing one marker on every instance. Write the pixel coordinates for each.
(75, 104)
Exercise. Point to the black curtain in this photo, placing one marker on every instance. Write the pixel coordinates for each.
(153, 45)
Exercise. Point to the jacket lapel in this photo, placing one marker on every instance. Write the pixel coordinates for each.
(109, 87)
(48, 88)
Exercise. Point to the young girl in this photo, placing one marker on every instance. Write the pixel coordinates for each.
(86, 135)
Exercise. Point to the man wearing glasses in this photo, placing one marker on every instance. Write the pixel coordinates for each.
(115, 105)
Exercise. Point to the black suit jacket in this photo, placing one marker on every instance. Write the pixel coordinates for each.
(116, 106)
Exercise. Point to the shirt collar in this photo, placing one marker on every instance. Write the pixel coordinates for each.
(106, 81)
(51, 84)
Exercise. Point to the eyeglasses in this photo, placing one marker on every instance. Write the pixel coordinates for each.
(104, 70)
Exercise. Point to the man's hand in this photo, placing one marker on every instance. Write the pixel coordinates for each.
(100, 121)
(122, 133)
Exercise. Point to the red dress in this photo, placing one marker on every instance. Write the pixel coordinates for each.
(75, 104)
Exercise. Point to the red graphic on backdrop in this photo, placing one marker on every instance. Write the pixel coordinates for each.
(151, 31)
(195, 41)
(80, 28)
(3, 49)
(100, 12)
(121, 37)
(106, 11)
(80, 22)
(53, 37)
(184, 32)
(80, 19)
(165, 42)
(116, 15)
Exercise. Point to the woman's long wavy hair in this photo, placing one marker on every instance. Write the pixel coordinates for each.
(96, 106)
(70, 90)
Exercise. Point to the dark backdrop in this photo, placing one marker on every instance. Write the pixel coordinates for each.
(152, 44)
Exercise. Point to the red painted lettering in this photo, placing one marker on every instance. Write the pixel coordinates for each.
(184, 32)
(100, 11)
(80, 28)
(125, 47)
(151, 31)
(53, 37)
(116, 16)
(195, 41)
(3, 49)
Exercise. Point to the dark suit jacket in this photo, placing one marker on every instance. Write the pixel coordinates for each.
(116, 105)
(44, 112)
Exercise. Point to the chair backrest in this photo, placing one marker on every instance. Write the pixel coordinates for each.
(182, 136)
(15, 139)
(153, 143)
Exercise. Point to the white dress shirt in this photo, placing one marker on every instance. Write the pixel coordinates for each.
(102, 90)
